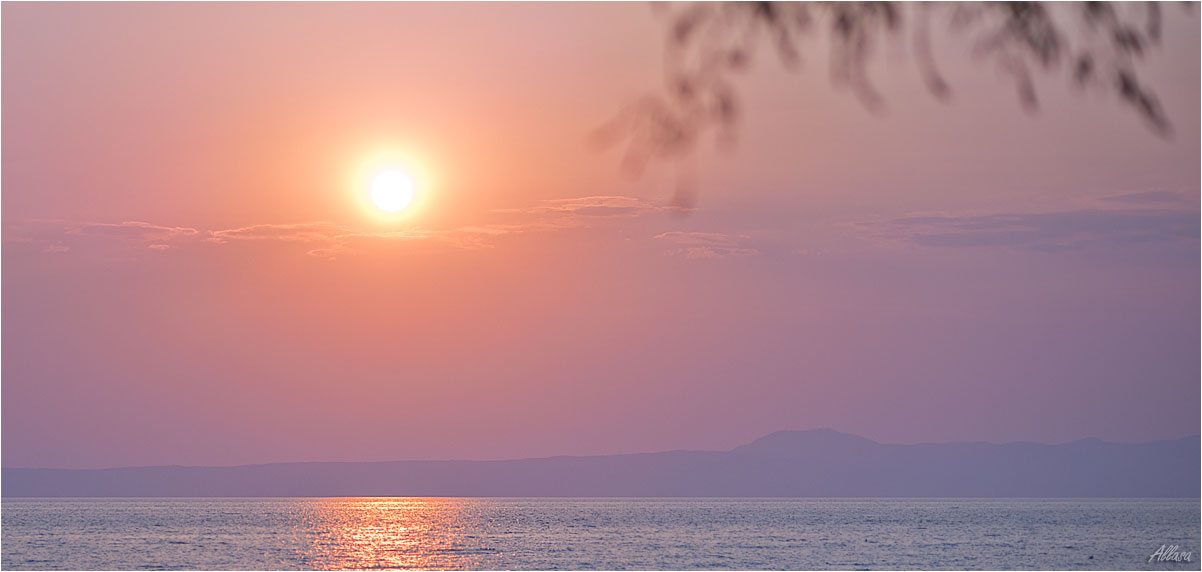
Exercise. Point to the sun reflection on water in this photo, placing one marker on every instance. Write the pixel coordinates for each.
(392, 533)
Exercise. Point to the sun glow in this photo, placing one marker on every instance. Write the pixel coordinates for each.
(392, 191)
(391, 186)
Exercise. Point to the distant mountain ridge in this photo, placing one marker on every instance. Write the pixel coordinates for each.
(814, 463)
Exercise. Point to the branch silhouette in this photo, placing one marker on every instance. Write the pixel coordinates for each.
(1097, 45)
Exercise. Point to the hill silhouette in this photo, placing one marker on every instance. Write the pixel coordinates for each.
(815, 463)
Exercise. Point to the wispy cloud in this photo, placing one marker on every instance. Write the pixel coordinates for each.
(1046, 232)
(700, 245)
(133, 230)
(53, 236)
(602, 206)
(292, 232)
(1141, 198)
(468, 238)
(328, 239)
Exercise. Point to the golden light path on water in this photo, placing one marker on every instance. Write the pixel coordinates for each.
(588, 533)
(391, 533)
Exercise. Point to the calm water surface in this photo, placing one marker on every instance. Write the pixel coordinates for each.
(446, 533)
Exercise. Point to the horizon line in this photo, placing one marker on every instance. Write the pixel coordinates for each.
(561, 456)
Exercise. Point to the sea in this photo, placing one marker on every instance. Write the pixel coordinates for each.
(588, 534)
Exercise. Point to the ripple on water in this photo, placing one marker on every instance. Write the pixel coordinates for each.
(409, 533)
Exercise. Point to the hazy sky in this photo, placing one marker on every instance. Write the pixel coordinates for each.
(191, 274)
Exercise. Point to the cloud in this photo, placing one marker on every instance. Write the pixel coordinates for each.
(325, 239)
(133, 230)
(330, 240)
(53, 236)
(1044, 232)
(549, 215)
(293, 232)
(700, 245)
(601, 206)
(1148, 197)
(467, 238)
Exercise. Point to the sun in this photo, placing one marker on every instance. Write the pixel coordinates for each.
(392, 191)
(390, 185)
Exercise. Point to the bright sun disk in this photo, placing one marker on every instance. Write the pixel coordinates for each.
(392, 191)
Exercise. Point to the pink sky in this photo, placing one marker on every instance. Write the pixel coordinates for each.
(190, 278)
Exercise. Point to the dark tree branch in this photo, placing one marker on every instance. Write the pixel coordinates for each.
(708, 44)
